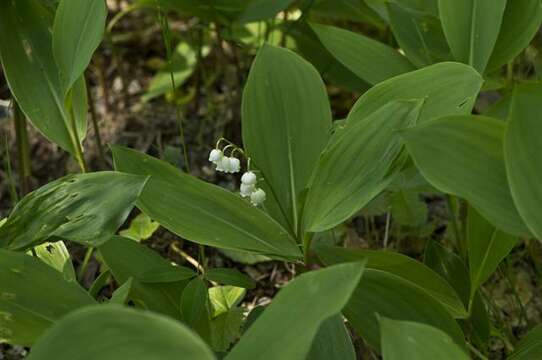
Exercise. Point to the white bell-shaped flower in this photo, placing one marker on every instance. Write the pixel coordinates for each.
(247, 189)
(215, 156)
(249, 178)
(235, 165)
(257, 197)
(223, 164)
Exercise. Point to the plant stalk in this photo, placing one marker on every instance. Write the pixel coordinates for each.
(23, 148)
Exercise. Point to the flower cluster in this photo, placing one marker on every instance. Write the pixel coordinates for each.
(227, 164)
(249, 189)
(231, 164)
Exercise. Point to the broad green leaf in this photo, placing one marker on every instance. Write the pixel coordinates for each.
(244, 257)
(233, 277)
(474, 167)
(112, 332)
(355, 165)
(529, 347)
(136, 262)
(487, 247)
(421, 84)
(226, 329)
(225, 298)
(408, 208)
(309, 45)
(122, 294)
(414, 272)
(141, 228)
(451, 267)
(258, 10)
(332, 341)
(202, 212)
(195, 305)
(182, 65)
(33, 296)
(223, 11)
(31, 73)
(285, 330)
(387, 294)
(343, 10)
(419, 34)
(369, 59)
(472, 28)
(54, 254)
(520, 23)
(522, 148)
(411, 340)
(278, 113)
(77, 31)
(74, 208)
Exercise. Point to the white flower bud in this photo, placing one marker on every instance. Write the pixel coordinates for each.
(223, 164)
(215, 156)
(235, 165)
(257, 197)
(247, 189)
(249, 178)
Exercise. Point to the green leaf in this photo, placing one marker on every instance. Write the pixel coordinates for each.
(285, 109)
(122, 294)
(474, 167)
(522, 147)
(409, 270)
(529, 347)
(287, 327)
(141, 228)
(487, 247)
(233, 277)
(411, 340)
(74, 208)
(226, 329)
(355, 166)
(137, 262)
(195, 306)
(33, 296)
(419, 34)
(204, 213)
(77, 31)
(32, 75)
(225, 298)
(182, 65)
(244, 257)
(408, 208)
(111, 332)
(332, 341)
(258, 10)
(472, 28)
(520, 23)
(343, 10)
(312, 49)
(55, 255)
(388, 294)
(421, 84)
(369, 59)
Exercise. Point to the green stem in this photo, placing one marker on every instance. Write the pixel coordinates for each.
(307, 241)
(23, 148)
(101, 152)
(86, 261)
(12, 187)
(476, 352)
(166, 36)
